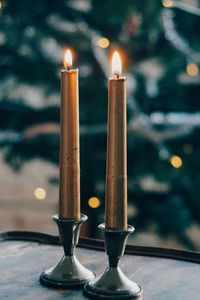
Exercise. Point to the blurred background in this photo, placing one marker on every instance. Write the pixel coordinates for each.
(160, 48)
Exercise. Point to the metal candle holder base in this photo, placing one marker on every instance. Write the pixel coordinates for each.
(68, 273)
(113, 284)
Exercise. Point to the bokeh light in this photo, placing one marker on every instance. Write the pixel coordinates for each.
(176, 161)
(103, 42)
(192, 69)
(167, 3)
(3, 3)
(94, 202)
(40, 193)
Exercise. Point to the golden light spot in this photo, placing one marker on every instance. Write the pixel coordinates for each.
(1, 5)
(167, 3)
(103, 42)
(192, 69)
(187, 148)
(176, 161)
(94, 202)
(40, 193)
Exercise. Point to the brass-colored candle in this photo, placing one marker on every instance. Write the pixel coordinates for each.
(69, 185)
(116, 168)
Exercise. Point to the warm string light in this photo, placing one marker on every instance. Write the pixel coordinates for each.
(103, 42)
(167, 3)
(192, 69)
(116, 64)
(176, 161)
(40, 193)
(67, 59)
(94, 202)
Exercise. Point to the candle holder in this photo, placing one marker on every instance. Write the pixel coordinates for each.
(113, 284)
(68, 273)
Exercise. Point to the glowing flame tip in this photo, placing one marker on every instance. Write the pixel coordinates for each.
(116, 64)
(68, 59)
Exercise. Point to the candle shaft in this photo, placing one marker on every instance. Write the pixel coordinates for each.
(69, 186)
(116, 168)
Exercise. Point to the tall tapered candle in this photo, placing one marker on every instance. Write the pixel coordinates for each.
(116, 168)
(69, 185)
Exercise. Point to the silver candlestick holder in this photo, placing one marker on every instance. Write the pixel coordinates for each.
(69, 272)
(113, 284)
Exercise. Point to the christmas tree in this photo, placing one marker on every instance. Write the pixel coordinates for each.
(160, 46)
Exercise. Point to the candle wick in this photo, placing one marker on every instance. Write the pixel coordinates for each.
(117, 75)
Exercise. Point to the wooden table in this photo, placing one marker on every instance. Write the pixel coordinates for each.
(164, 274)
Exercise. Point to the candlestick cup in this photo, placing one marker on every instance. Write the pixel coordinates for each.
(113, 284)
(69, 272)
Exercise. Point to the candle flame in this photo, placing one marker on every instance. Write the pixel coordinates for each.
(116, 64)
(67, 59)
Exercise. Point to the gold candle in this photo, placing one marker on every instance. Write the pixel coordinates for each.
(69, 186)
(116, 168)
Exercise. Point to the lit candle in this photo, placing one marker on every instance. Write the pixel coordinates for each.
(69, 186)
(116, 168)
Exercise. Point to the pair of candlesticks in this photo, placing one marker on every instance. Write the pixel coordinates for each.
(70, 273)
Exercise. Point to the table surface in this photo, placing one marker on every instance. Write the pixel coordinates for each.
(162, 278)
